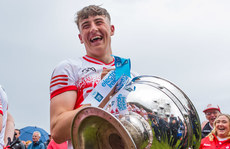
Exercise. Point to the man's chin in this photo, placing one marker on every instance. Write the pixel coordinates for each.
(211, 121)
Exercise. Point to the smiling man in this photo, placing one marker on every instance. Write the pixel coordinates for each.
(211, 112)
(72, 80)
(37, 143)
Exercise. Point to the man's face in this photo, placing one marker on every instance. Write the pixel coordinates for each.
(211, 115)
(17, 134)
(222, 126)
(95, 34)
(35, 137)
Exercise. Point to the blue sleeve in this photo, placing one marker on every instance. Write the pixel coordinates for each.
(42, 146)
(29, 147)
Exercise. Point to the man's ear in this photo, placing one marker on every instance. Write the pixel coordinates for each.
(112, 28)
(79, 36)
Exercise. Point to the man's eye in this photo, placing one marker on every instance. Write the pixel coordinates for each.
(99, 22)
(85, 26)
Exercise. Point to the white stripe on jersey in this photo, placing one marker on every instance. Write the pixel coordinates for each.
(59, 80)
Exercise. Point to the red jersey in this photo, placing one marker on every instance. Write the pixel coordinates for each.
(206, 143)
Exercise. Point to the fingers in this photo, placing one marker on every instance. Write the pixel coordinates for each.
(85, 105)
(105, 72)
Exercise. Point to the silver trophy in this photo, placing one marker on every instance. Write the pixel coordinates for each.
(160, 116)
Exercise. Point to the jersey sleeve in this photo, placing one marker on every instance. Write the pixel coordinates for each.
(3, 101)
(63, 78)
(1, 111)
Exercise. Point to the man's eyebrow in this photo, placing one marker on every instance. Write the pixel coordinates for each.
(98, 19)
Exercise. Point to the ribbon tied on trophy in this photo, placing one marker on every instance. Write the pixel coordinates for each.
(110, 92)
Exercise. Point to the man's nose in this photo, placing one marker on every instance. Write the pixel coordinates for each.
(93, 27)
(212, 114)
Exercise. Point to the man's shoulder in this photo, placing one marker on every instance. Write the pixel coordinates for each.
(203, 124)
(206, 130)
(3, 98)
(207, 126)
(70, 61)
(68, 65)
(41, 143)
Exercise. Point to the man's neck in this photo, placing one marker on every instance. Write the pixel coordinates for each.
(211, 125)
(105, 59)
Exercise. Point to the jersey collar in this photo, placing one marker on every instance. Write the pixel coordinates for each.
(96, 61)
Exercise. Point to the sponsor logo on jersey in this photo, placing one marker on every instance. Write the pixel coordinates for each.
(88, 69)
(207, 144)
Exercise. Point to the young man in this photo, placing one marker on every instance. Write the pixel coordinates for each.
(73, 80)
(211, 112)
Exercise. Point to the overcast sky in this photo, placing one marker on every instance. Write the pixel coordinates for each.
(185, 42)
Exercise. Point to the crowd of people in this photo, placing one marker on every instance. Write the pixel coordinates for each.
(35, 143)
(215, 131)
(166, 128)
(73, 80)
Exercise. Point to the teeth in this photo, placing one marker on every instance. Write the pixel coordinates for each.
(95, 38)
(221, 129)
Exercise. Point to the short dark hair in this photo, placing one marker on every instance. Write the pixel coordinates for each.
(18, 130)
(91, 10)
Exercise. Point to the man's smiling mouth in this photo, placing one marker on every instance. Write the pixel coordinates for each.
(96, 38)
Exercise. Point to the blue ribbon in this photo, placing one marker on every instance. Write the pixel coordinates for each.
(122, 67)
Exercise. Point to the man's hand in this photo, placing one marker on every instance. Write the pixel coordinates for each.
(105, 72)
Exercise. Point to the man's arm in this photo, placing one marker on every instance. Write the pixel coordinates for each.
(61, 115)
(9, 131)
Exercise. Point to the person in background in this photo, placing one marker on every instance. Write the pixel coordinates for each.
(28, 142)
(19, 144)
(37, 143)
(48, 141)
(17, 133)
(211, 112)
(219, 138)
(3, 116)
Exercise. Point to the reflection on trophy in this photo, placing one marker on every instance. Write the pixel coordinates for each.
(159, 116)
